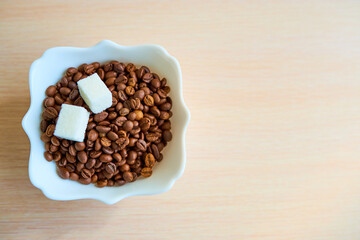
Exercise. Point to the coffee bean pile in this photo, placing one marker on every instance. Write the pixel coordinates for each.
(121, 143)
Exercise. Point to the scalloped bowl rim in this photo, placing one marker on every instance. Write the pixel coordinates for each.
(28, 128)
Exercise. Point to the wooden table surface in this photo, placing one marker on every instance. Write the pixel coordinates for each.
(273, 143)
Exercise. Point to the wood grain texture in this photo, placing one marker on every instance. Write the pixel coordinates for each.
(273, 143)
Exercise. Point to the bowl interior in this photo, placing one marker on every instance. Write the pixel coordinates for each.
(50, 68)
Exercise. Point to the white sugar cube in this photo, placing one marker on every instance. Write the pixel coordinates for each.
(72, 122)
(95, 93)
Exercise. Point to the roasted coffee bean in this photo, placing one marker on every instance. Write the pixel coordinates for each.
(84, 181)
(62, 162)
(50, 91)
(108, 150)
(103, 129)
(164, 115)
(92, 135)
(166, 125)
(104, 123)
(155, 83)
(165, 107)
(105, 142)
(50, 130)
(155, 111)
(120, 182)
(151, 137)
(43, 125)
(97, 145)
(90, 126)
(162, 93)
(141, 145)
(129, 90)
(121, 80)
(96, 65)
(120, 87)
(112, 136)
(128, 177)
(140, 94)
(167, 89)
(110, 167)
(49, 102)
(100, 116)
(128, 125)
(65, 143)
(122, 95)
(157, 98)
(44, 138)
(110, 74)
(63, 173)
(95, 154)
(122, 134)
(70, 167)
(132, 82)
(163, 82)
(57, 156)
(55, 141)
(74, 94)
(72, 150)
(124, 168)
(94, 178)
(135, 103)
(89, 69)
(70, 158)
(149, 100)
(147, 77)
(149, 160)
(119, 68)
(101, 73)
(50, 113)
(132, 142)
(110, 183)
(138, 115)
(101, 183)
(132, 155)
(79, 146)
(105, 158)
(155, 151)
(117, 157)
(82, 156)
(112, 116)
(130, 67)
(114, 102)
(118, 106)
(77, 77)
(71, 71)
(109, 81)
(107, 174)
(79, 166)
(90, 163)
(48, 156)
(79, 101)
(167, 135)
(160, 146)
(124, 111)
(53, 148)
(146, 172)
(98, 163)
(65, 91)
(74, 176)
(85, 173)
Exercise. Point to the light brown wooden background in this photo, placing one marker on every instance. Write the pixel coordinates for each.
(273, 143)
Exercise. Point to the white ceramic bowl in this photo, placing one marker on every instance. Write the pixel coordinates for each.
(48, 69)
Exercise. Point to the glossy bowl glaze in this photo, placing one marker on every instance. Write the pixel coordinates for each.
(49, 69)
